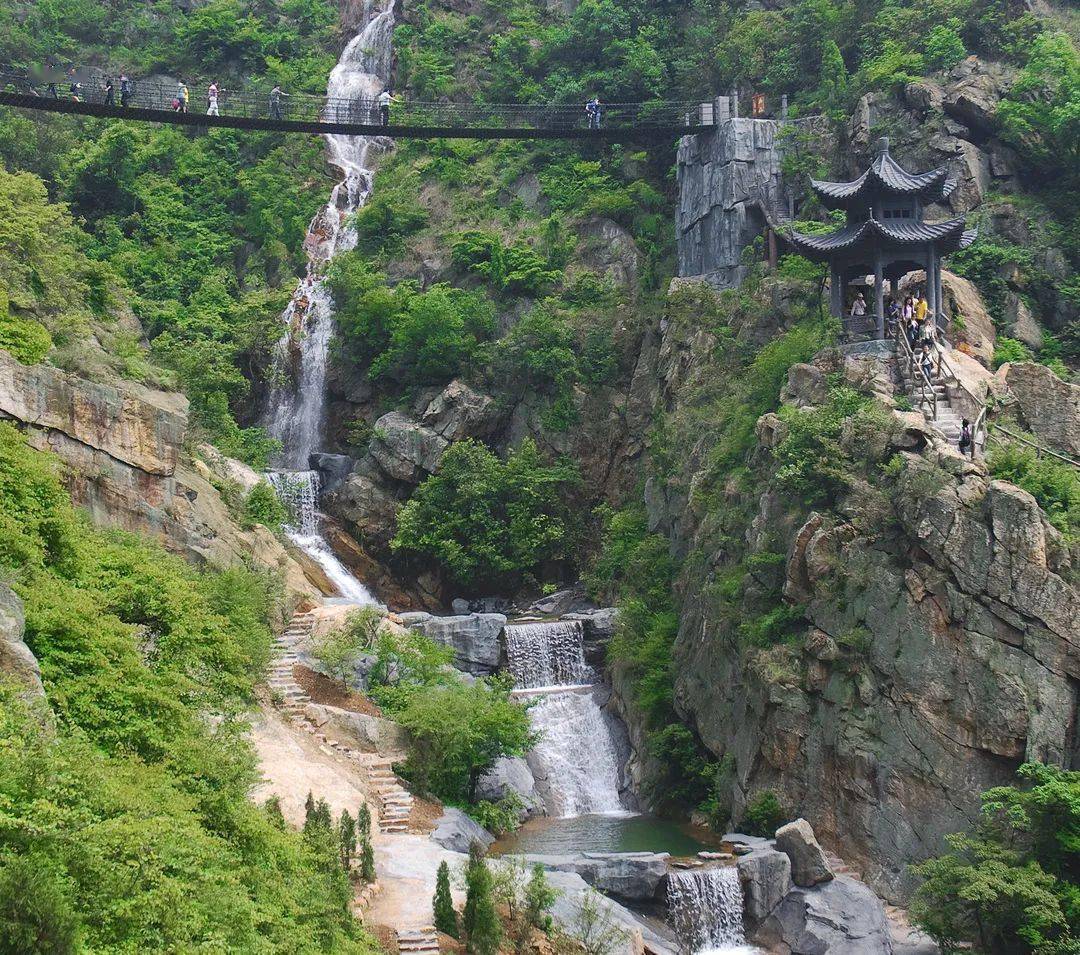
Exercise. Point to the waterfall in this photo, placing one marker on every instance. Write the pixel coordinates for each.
(296, 410)
(705, 909)
(576, 763)
(547, 654)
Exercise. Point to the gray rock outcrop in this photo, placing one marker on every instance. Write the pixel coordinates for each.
(17, 663)
(404, 449)
(765, 875)
(460, 412)
(1048, 406)
(474, 637)
(456, 831)
(840, 917)
(510, 776)
(808, 863)
(629, 876)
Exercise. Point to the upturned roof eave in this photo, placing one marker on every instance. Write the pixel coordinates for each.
(944, 236)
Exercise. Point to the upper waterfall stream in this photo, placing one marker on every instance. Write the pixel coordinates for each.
(296, 410)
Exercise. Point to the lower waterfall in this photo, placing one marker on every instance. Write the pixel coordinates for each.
(705, 909)
(576, 764)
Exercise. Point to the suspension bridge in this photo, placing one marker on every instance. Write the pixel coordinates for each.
(158, 102)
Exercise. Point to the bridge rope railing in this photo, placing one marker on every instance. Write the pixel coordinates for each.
(144, 95)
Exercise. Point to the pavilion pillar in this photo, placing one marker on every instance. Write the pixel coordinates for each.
(932, 283)
(879, 295)
(940, 292)
(836, 290)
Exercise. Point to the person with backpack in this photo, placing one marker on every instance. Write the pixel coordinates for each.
(927, 361)
(181, 101)
(212, 100)
(125, 90)
(966, 442)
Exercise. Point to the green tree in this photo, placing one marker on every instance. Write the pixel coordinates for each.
(339, 650)
(483, 929)
(347, 839)
(367, 861)
(443, 904)
(457, 732)
(487, 521)
(36, 914)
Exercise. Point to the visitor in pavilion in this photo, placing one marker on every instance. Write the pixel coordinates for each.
(858, 307)
(921, 307)
(912, 329)
(892, 317)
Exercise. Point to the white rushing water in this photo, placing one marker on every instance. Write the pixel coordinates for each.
(705, 909)
(576, 763)
(296, 410)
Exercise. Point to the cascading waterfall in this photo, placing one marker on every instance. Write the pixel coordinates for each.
(296, 410)
(705, 909)
(576, 763)
(547, 654)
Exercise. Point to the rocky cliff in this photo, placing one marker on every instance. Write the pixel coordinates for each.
(126, 464)
(936, 641)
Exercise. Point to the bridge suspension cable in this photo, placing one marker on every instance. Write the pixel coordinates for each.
(248, 109)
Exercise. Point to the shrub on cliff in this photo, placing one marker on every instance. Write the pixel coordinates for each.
(486, 521)
(1012, 884)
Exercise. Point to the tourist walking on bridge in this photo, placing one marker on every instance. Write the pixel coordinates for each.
(181, 102)
(212, 100)
(110, 93)
(125, 90)
(386, 97)
(595, 112)
(276, 95)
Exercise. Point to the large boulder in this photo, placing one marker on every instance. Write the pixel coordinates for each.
(808, 863)
(841, 917)
(474, 637)
(456, 831)
(765, 874)
(404, 449)
(460, 412)
(975, 333)
(510, 776)
(332, 468)
(629, 876)
(369, 734)
(571, 600)
(1048, 406)
(17, 663)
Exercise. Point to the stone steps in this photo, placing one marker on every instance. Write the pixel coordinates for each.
(420, 941)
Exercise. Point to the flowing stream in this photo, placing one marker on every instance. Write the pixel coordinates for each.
(296, 410)
(576, 763)
(705, 908)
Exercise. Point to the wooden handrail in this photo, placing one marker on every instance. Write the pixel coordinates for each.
(916, 372)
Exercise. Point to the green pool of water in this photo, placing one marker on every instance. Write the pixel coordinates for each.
(629, 833)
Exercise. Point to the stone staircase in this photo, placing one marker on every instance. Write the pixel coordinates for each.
(395, 802)
(939, 413)
(418, 941)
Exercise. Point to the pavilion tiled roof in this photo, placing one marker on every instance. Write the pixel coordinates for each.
(887, 176)
(947, 236)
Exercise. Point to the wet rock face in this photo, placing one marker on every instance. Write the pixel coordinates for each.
(474, 637)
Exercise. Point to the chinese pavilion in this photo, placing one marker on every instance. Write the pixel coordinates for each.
(885, 235)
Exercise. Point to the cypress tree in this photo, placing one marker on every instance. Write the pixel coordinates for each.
(482, 920)
(273, 811)
(367, 861)
(363, 822)
(309, 811)
(347, 839)
(445, 916)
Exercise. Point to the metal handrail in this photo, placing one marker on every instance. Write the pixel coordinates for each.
(1039, 449)
(915, 371)
(306, 107)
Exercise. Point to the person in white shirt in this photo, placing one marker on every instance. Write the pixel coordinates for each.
(212, 100)
(386, 97)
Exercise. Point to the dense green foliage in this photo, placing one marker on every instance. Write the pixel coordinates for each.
(489, 521)
(458, 731)
(1054, 484)
(134, 813)
(1012, 883)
